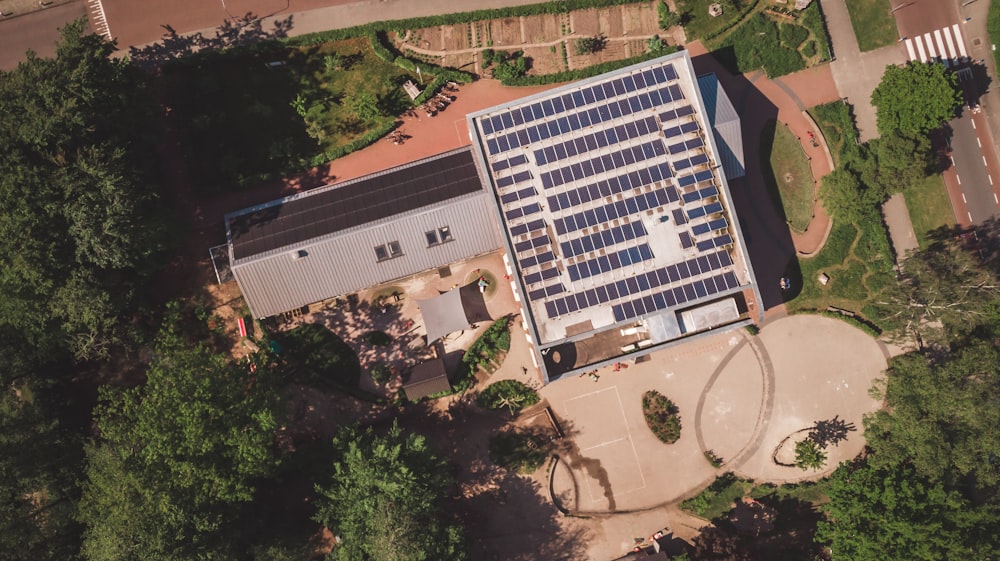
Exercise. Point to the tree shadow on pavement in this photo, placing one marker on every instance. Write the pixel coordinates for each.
(768, 240)
(246, 30)
(831, 432)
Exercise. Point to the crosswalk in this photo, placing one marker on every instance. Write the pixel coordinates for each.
(98, 19)
(941, 45)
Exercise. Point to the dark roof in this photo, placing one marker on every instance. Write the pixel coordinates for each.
(426, 379)
(335, 208)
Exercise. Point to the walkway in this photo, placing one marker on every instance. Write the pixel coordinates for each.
(855, 73)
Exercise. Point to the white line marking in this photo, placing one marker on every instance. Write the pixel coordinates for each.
(995, 199)
(590, 394)
(963, 199)
(979, 142)
(909, 49)
(984, 161)
(603, 444)
(959, 180)
(990, 177)
(101, 18)
(638, 464)
(951, 45)
(961, 41)
(940, 43)
(970, 216)
(930, 45)
(973, 124)
(920, 49)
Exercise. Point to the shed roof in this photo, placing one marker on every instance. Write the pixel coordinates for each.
(339, 207)
(426, 379)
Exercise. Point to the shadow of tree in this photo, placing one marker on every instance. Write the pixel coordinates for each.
(242, 31)
(830, 432)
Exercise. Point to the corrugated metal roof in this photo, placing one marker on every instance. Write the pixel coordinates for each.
(426, 379)
(725, 123)
(339, 207)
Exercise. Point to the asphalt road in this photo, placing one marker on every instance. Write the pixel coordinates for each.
(974, 157)
(37, 31)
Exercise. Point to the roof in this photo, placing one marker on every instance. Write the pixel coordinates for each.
(725, 123)
(426, 379)
(335, 208)
(611, 199)
(443, 314)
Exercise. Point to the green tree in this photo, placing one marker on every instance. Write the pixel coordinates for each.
(942, 416)
(896, 161)
(808, 455)
(178, 455)
(845, 197)
(366, 106)
(916, 98)
(668, 17)
(79, 219)
(384, 499)
(587, 45)
(894, 514)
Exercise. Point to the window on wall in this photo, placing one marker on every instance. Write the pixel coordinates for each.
(381, 253)
(394, 249)
(439, 236)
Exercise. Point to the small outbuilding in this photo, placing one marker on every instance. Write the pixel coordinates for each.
(426, 379)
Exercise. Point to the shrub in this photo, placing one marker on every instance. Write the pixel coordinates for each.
(380, 373)
(713, 458)
(668, 18)
(587, 45)
(661, 416)
(809, 49)
(793, 35)
(808, 455)
(519, 451)
(377, 338)
(511, 394)
(656, 45)
(812, 18)
(755, 44)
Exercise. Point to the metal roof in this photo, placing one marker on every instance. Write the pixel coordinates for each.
(335, 208)
(725, 123)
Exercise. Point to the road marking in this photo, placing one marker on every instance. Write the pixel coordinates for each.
(979, 142)
(939, 42)
(920, 49)
(990, 177)
(959, 179)
(930, 45)
(961, 42)
(973, 123)
(995, 200)
(951, 45)
(970, 216)
(963, 199)
(100, 19)
(909, 49)
(603, 444)
(984, 161)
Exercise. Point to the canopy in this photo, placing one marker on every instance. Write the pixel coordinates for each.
(443, 314)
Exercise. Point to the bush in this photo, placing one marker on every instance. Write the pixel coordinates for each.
(812, 19)
(668, 18)
(510, 394)
(587, 45)
(377, 338)
(755, 44)
(496, 338)
(793, 35)
(380, 373)
(656, 45)
(808, 455)
(661, 416)
(718, 498)
(519, 451)
(809, 49)
(713, 458)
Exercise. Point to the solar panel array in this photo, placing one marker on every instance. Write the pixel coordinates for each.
(578, 173)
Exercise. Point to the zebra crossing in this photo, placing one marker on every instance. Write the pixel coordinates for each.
(98, 19)
(941, 45)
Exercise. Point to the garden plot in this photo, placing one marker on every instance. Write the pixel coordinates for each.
(544, 60)
(543, 28)
(504, 32)
(455, 37)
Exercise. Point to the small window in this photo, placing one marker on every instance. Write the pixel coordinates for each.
(380, 253)
(432, 238)
(394, 249)
(445, 233)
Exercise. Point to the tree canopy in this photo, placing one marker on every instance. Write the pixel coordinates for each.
(384, 499)
(177, 455)
(916, 98)
(894, 514)
(78, 219)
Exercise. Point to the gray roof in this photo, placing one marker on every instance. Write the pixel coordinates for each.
(725, 124)
(295, 263)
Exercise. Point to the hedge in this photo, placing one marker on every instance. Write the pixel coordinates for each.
(750, 7)
(572, 75)
(813, 19)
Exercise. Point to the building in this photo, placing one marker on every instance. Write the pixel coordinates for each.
(346, 237)
(609, 197)
(615, 211)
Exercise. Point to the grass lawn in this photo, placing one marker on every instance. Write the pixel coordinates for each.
(837, 125)
(873, 25)
(791, 174)
(243, 121)
(698, 24)
(929, 207)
